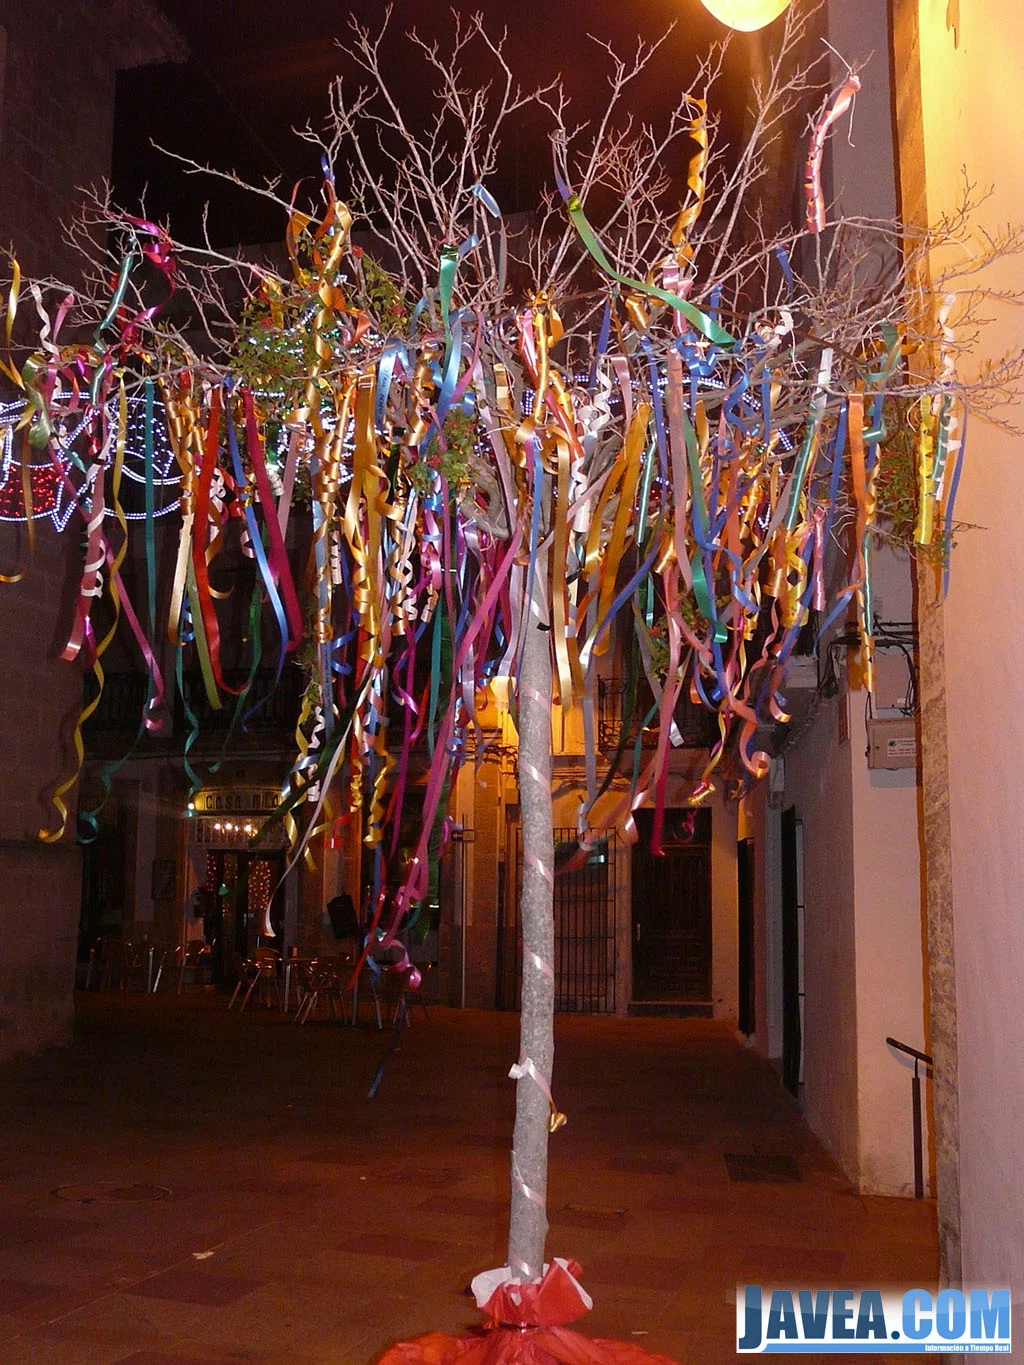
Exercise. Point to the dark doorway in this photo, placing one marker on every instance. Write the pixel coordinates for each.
(103, 880)
(791, 1029)
(243, 883)
(745, 890)
(672, 909)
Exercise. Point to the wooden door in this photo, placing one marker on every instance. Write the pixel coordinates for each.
(672, 911)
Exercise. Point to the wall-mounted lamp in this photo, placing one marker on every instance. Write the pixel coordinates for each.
(746, 15)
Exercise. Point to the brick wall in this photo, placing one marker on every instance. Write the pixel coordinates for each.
(58, 62)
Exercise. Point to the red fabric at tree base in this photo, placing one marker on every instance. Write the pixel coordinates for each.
(525, 1327)
(520, 1346)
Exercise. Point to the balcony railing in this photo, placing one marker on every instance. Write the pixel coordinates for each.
(695, 723)
(119, 713)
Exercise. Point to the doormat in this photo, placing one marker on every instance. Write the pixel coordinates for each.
(773, 1170)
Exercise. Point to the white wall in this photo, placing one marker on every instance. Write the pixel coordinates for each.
(971, 100)
(819, 784)
(863, 952)
(890, 965)
(863, 964)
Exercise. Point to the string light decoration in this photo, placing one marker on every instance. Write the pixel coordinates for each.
(61, 481)
(260, 886)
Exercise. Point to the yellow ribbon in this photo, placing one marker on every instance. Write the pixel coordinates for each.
(925, 527)
(116, 560)
(695, 183)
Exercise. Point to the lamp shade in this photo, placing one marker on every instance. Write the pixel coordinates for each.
(746, 15)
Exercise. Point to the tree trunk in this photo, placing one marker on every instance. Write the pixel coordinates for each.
(938, 884)
(528, 1220)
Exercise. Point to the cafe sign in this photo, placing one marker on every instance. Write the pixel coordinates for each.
(236, 801)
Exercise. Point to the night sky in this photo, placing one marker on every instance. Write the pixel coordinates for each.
(259, 67)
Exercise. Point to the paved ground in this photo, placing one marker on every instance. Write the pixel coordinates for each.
(301, 1222)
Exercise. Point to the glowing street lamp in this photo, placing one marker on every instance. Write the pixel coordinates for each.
(746, 15)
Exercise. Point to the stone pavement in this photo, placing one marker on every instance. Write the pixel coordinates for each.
(186, 1185)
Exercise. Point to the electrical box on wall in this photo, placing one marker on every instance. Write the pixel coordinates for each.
(892, 742)
(892, 679)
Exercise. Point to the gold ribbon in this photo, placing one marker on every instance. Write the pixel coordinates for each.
(924, 530)
(57, 799)
(695, 184)
(864, 496)
(622, 527)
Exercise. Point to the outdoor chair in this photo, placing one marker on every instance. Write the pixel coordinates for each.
(394, 988)
(367, 983)
(164, 956)
(173, 963)
(111, 962)
(258, 973)
(190, 957)
(326, 977)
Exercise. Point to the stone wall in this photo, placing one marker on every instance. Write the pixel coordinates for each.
(58, 62)
(40, 897)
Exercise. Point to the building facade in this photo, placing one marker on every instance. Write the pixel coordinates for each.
(58, 65)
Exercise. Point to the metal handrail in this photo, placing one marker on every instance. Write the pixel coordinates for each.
(915, 1097)
(910, 1051)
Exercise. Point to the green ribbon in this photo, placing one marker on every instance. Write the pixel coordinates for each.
(446, 283)
(941, 453)
(42, 428)
(800, 469)
(115, 303)
(701, 321)
(438, 671)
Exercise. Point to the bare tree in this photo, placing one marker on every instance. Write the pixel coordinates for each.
(644, 401)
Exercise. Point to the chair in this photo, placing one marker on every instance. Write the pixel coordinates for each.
(178, 960)
(417, 999)
(368, 980)
(163, 956)
(190, 956)
(260, 970)
(326, 977)
(112, 962)
(394, 988)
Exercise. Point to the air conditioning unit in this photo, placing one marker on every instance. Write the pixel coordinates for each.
(892, 742)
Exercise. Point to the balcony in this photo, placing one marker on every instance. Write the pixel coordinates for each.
(116, 719)
(696, 724)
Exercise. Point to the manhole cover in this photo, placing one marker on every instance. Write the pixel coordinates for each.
(769, 1169)
(110, 1192)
